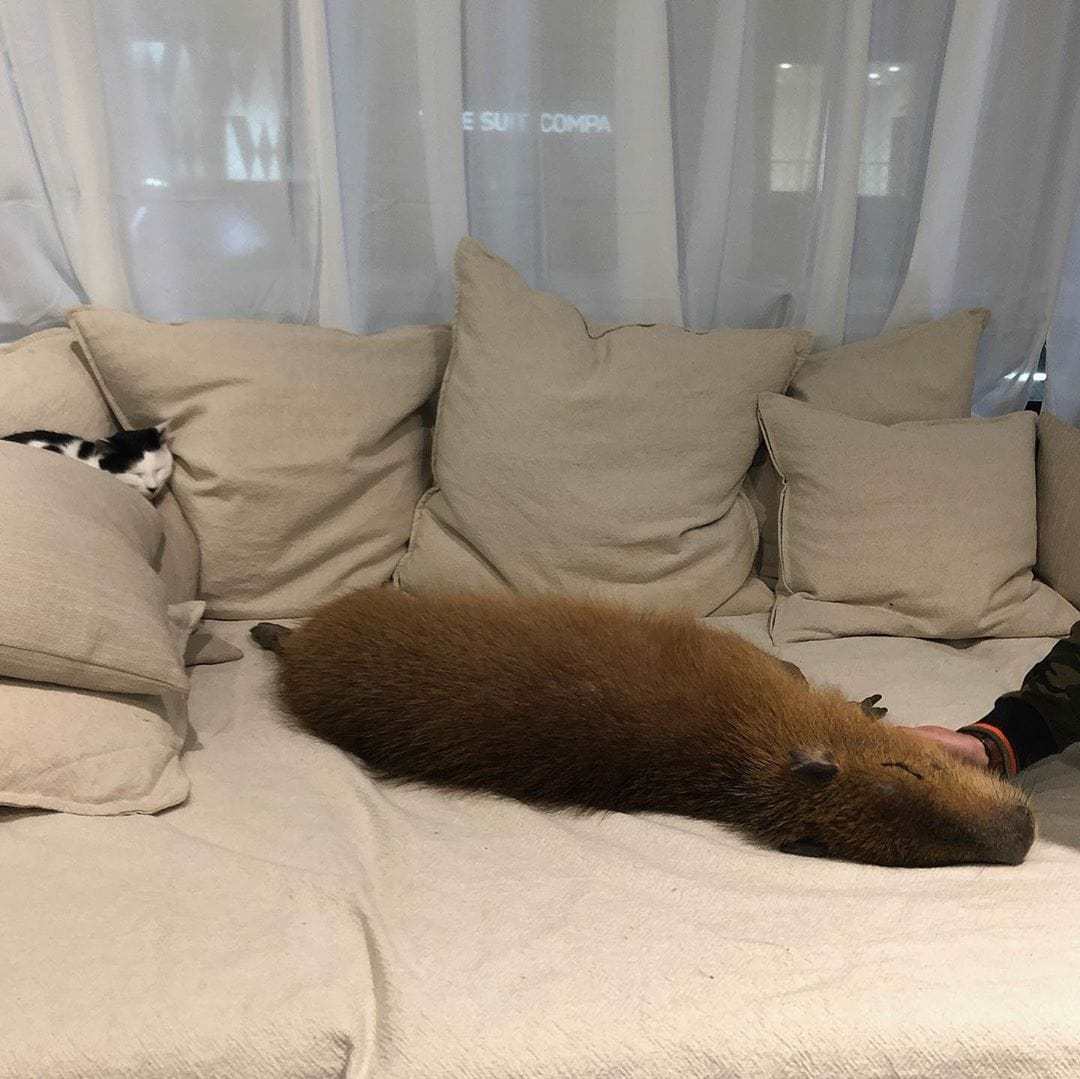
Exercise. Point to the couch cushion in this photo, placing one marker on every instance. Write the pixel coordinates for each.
(45, 385)
(179, 562)
(1058, 469)
(923, 372)
(580, 459)
(913, 530)
(80, 603)
(89, 753)
(312, 915)
(299, 450)
(101, 754)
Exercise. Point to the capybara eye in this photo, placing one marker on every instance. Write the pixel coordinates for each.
(903, 767)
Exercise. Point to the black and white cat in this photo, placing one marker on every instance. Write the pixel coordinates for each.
(141, 459)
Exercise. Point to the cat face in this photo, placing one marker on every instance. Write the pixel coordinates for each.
(141, 459)
(150, 473)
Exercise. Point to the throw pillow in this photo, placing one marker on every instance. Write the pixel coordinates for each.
(910, 530)
(923, 372)
(45, 385)
(90, 753)
(1059, 506)
(80, 603)
(299, 450)
(588, 460)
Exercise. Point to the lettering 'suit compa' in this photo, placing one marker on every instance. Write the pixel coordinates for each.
(558, 123)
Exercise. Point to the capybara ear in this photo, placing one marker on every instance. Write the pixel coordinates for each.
(791, 669)
(815, 765)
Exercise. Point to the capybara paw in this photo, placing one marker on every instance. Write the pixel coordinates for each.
(869, 706)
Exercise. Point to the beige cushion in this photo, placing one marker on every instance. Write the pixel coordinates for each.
(1059, 506)
(80, 603)
(178, 562)
(91, 753)
(298, 449)
(923, 372)
(97, 753)
(913, 530)
(588, 460)
(45, 385)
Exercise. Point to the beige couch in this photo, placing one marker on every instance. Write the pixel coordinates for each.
(289, 916)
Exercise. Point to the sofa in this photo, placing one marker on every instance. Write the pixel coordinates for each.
(192, 887)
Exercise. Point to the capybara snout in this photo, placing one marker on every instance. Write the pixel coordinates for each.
(565, 703)
(1008, 835)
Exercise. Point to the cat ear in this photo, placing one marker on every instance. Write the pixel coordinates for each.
(163, 430)
(815, 765)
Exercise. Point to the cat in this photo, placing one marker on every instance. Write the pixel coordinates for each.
(141, 459)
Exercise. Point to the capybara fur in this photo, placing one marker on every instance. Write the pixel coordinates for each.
(565, 703)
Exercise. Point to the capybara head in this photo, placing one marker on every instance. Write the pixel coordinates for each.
(870, 792)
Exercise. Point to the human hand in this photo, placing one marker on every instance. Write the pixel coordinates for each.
(964, 747)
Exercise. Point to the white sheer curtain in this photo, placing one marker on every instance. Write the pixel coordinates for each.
(1001, 184)
(844, 164)
(1063, 343)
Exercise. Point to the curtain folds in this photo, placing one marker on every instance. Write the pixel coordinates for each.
(1001, 185)
(849, 165)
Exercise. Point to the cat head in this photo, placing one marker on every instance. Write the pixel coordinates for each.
(141, 459)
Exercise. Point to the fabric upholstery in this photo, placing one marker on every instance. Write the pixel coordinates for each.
(1058, 471)
(921, 372)
(590, 460)
(299, 450)
(80, 603)
(914, 529)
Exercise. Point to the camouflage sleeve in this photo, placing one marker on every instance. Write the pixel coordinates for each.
(1042, 717)
(1013, 734)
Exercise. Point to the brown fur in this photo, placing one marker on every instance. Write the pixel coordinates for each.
(564, 703)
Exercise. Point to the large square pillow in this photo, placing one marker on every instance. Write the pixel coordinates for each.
(101, 753)
(910, 530)
(299, 450)
(1059, 506)
(922, 372)
(587, 460)
(45, 386)
(90, 753)
(80, 602)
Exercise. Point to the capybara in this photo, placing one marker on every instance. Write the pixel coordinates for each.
(567, 703)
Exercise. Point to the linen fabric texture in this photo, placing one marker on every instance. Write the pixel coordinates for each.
(590, 460)
(921, 372)
(300, 451)
(913, 530)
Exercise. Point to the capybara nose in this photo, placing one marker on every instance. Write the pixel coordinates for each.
(1011, 834)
